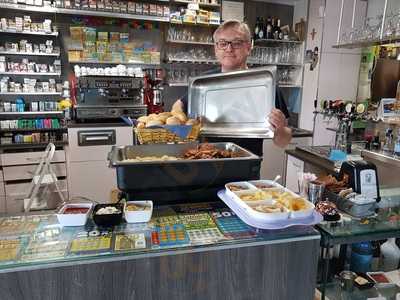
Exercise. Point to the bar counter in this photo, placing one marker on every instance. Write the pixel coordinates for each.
(239, 262)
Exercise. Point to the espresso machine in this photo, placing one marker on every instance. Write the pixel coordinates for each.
(108, 98)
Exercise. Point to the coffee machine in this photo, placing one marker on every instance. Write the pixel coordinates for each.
(109, 97)
(362, 178)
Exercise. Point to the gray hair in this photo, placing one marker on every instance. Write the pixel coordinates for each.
(240, 26)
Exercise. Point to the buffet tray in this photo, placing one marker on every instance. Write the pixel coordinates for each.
(234, 104)
(315, 218)
(161, 179)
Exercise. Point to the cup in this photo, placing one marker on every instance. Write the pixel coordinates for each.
(315, 191)
(347, 280)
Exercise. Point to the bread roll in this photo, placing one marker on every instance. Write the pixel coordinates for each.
(177, 106)
(191, 122)
(162, 118)
(180, 115)
(154, 123)
(141, 125)
(143, 119)
(165, 113)
(173, 121)
(152, 116)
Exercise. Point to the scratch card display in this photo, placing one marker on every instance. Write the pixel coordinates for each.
(130, 241)
(231, 226)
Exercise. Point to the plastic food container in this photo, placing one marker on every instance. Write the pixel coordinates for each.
(240, 186)
(265, 184)
(74, 214)
(267, 216)
(262, 204)
(304, 213)
(108, 219)
(138, 216)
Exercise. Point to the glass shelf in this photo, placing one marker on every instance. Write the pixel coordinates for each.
(194, 61)
(260, 42)
(190, 42)
(367, 43)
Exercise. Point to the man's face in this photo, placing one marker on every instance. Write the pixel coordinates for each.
(232, 49)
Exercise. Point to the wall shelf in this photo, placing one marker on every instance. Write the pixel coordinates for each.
(33, 93)
(28, 53)
(31, 73)
(30, 145)
(194, 61)
(82, 12)
(30, 114)
(25, 130)
(270, 41)
(367, 43)
(200, 4)
(116, 63)
(29, 32)
(189, 42)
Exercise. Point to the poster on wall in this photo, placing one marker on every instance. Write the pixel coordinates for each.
(232, 10)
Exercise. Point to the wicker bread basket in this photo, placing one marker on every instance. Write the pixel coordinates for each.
(163, 135)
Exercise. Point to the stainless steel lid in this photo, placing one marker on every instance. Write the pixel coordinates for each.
(234, 104)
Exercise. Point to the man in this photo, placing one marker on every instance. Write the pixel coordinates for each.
(232, 47)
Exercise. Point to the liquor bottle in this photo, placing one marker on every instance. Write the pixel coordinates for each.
(261, 32)
(257, 28)
(277, 30)
(268, 29)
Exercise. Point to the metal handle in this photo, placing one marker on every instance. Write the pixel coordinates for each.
(96, 137)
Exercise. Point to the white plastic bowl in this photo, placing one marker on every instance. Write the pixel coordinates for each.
(73, 219)
(139, 216)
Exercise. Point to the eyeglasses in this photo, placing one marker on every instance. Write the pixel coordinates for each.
(235, 44)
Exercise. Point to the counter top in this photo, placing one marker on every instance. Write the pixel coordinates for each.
(96, 125)
(38, 241)
(296, 132)
(326, 164)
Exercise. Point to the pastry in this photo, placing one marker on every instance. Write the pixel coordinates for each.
(173, 121)
(328, 210)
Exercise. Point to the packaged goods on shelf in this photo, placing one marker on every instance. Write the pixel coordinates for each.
(28, 66)
(109, 47)
(29, 85)
(25, 24)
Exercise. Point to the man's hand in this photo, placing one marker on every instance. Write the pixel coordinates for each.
(283, 134)
(277, 119)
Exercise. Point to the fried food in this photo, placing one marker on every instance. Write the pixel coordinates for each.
(208, 151)
(270, 208)
(254, 196)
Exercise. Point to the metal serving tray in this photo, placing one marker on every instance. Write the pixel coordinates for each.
(179, 180)
(234, 104)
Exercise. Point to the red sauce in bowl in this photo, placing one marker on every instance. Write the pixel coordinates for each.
(76, 210)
